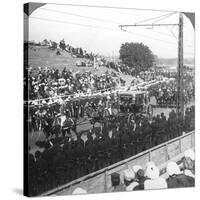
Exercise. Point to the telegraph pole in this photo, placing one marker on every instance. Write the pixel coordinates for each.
(180, 100)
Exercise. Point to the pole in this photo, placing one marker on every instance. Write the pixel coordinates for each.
(180, 101)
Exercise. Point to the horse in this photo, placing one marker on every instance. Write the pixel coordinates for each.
(100, 115)
(52, 127)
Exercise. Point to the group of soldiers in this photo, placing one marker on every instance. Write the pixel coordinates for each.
(66, 158)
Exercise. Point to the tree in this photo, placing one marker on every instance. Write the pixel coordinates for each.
(137, 56)
(62, 44)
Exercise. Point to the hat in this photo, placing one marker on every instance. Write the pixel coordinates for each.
(128, 174)
(108, 97)
(189, 154)
(140, 173)
(173, 169)
(152, 171)
(115, 179)
(35, 102)
(136, 168)
(79, 191)
(50, 101)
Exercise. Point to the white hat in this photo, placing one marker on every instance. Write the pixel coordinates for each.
(79, 191)
(152, 171)
(189, 154)
(151, 163)
(50, 101)
(108, 97)
(35, 102)
(44, 102)
(136, 168)
(173, 168)
(129, 174)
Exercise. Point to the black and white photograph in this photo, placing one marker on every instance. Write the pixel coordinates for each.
(109, 99)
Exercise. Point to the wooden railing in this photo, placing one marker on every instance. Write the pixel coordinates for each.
(100, 180)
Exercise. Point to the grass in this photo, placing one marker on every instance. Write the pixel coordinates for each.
(41, 56)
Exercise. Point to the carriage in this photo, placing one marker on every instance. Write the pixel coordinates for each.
(135, 102)
(127, 106)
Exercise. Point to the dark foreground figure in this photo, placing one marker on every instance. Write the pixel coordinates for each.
(62, 162)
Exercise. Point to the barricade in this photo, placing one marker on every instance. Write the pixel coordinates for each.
(100, 180)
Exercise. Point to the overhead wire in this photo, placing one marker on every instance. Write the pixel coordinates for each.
(82, 16)
(91, 26)
(164, 17)
(112, 7)
(167, 42)
(102, 20)
(150, 19)
(77, 24)
(109, 28)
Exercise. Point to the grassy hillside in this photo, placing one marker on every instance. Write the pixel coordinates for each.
(41, 56)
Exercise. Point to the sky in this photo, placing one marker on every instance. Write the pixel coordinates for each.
(97, 29)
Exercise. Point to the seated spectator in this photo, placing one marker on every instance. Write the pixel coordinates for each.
(154, 181)
(79, 191)
(129, 176)
(116, 185)
(189, 163)
(176, 178)
(139, 177)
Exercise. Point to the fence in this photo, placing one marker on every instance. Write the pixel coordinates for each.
(100, 181)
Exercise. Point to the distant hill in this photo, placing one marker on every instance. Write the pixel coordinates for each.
(173, 61)
(42, 56)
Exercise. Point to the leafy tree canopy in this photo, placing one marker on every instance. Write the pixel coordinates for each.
(137, 56)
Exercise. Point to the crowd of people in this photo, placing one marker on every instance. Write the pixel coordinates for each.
(43, 117)
(50, 82)
(119, 67)
(166, 93)
(66, 158)
(136, 178)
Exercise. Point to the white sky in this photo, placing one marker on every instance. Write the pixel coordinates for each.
(161, 40)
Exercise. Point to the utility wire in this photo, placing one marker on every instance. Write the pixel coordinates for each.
(149, 19)
(91, 26)
(161, 33)
(164, 17)
(102, 20)
(66, 22)
(82, 16)
(167, 42)
(112, 7)
(105, 28)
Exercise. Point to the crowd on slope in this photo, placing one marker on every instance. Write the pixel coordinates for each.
(65, 158)
(50, 82)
